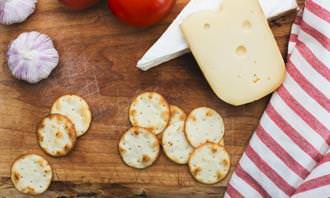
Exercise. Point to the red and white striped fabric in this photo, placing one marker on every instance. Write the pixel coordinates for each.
(317, 184)
(289, 153)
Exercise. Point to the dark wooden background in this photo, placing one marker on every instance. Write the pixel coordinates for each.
(98, 58)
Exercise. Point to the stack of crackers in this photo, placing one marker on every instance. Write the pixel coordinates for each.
(196, 139)
(70, 118)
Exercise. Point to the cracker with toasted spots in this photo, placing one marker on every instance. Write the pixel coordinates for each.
(139, 148)
(209, 163)
(76, 109)
(150, 110)
(56, 135)
(204, 125)
(31, 174)
(174, 142)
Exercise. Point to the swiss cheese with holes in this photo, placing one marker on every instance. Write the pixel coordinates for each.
(236, 51)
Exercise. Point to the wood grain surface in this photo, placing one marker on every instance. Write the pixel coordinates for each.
(98, 55)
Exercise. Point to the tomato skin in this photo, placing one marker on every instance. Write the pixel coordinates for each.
(79, 4)
(140, 13)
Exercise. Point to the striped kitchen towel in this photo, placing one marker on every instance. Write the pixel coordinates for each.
(317, 184)
(289, 154)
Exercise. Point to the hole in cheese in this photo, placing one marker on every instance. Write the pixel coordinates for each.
(241, 50)
(207, 26)
(255, 78)
(247, 25)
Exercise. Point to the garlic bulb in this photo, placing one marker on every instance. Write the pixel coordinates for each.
(16, 11)
(32, 57)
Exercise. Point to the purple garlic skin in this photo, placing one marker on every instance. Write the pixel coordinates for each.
(16, 11)
(32, 57)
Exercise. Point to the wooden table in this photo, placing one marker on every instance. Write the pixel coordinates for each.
(98, 58)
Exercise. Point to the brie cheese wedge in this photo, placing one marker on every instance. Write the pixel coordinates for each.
(172, 43)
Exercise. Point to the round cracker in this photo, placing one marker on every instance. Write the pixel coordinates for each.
(150, 110)
(204, 125)
(209, 163)
(56, 135)
(139, 148)
(76, 109)
(174, 142)
(31, 174)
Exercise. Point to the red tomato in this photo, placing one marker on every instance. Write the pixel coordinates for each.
(79, 4)
(140, 13)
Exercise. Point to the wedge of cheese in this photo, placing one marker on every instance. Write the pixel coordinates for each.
(236, 51)
(171, 44)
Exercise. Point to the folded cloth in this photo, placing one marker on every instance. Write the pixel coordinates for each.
(286, 155)
(317, 184)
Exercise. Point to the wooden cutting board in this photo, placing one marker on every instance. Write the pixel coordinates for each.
(98, 55)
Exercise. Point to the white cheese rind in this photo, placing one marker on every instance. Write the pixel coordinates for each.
(172, 44)
(236, 51)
